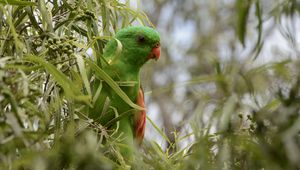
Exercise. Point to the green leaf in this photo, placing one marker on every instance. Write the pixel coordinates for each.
(102, 75)
(259, 44)
(19, 3)
(118, 116)
(68, 86)
(14, 104)
(158, 130)
(46, 16)
(242, 8)
(82, 70)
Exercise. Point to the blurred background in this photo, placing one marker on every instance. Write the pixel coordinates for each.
(202, 39)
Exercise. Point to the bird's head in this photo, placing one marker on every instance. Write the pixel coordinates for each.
(137, 45)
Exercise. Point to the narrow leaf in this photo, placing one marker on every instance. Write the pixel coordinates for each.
(158, 130)
(16, 2)
(242, 7)
(83, 74)
(68, 86)
(102, 75)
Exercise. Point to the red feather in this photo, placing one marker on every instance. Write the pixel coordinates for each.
(140, 118)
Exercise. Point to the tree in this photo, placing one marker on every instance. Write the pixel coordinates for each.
(225, 90)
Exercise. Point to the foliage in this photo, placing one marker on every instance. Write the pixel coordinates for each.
(241, 115)
(45, 82)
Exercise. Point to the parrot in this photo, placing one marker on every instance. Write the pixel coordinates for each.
(124, 55)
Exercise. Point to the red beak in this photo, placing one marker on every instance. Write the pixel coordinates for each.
(155, 53)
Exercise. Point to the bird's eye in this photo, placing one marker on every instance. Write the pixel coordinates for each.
(141, 39)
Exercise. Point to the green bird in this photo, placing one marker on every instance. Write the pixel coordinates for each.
(124, 56)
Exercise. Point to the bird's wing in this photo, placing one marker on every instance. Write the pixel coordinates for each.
(140, 118)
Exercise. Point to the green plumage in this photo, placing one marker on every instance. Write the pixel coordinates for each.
(123, 57)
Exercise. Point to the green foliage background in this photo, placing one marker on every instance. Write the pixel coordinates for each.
(247, 119)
